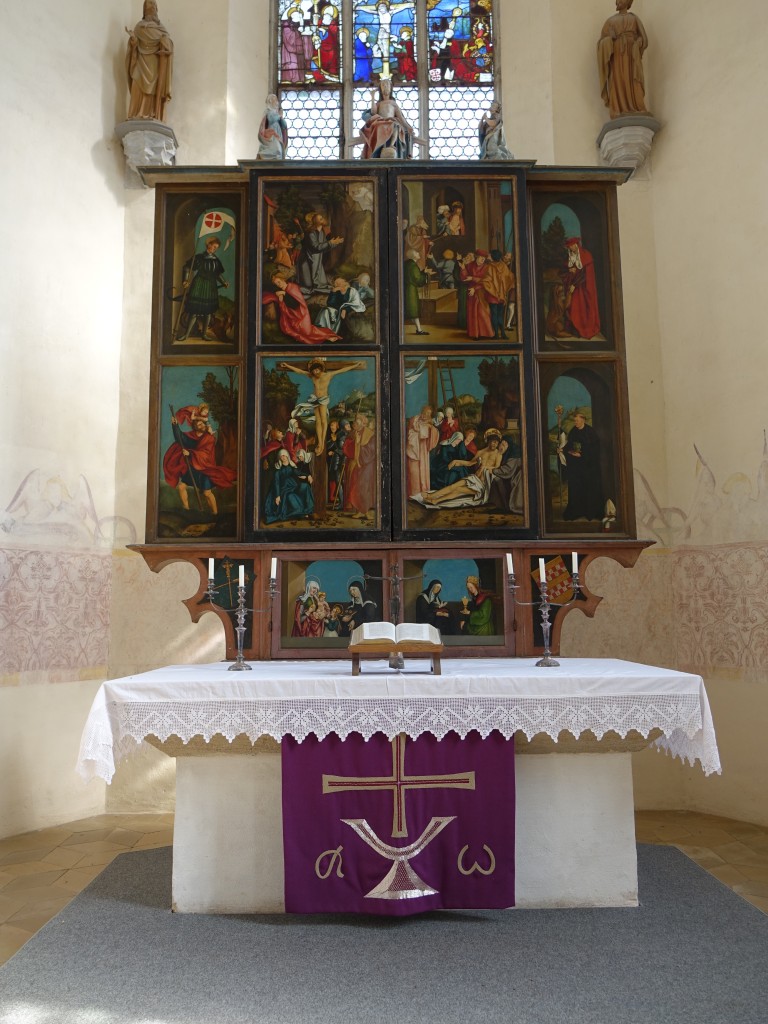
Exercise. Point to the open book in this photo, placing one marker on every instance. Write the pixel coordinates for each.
(409, 637)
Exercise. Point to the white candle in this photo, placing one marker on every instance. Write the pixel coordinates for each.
(542, 573)
(273, 570)
(574, 563)
(510, 567)
(241, 580)
(210, 568)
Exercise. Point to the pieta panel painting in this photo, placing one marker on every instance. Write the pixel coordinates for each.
(198, 453)
(200, 310)
(580, 475)
(323, 601)
(460, 597)
(463, 463)
(319, 283)
(319, 443)
(574, 284)
(459, 273)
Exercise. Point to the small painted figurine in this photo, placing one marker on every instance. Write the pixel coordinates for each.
(493, 144)
(273, 131)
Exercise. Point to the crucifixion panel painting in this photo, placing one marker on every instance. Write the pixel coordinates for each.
(373, 352)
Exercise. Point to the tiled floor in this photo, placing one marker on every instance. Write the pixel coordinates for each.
(40, 872)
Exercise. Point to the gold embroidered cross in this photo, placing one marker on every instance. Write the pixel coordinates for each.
(399, 783)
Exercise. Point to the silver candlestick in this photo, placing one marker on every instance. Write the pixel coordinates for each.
(240, 664)
(544, 605)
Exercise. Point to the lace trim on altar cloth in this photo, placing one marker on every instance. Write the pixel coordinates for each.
(684, 719)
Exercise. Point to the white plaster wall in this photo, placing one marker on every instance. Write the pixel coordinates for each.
(61, 294)
(40, 729)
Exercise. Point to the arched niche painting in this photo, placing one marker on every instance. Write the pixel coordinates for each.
(582, 450)
(461, 596)
(575, 307)
(463, 444)
(459, 260)
(197, 461)
(319, 269)
(198, 305)
(323, 600)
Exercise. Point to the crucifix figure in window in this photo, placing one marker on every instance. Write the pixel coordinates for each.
(385, 11)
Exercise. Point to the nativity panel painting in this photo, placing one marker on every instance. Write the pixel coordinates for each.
(459, 265)
(463, 443)
(198, 453)
(319, 443)
(462, 597)
(322, 601)
(574, 288)
(582, 446)
(319, 283)
(199, 290)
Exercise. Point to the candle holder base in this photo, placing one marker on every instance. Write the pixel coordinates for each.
(547, 662)
(240, 666)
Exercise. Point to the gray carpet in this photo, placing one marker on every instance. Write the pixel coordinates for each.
(693, 953)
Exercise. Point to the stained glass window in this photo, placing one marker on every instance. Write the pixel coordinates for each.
(438, 55)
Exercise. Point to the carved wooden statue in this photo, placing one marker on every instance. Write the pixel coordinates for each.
(386, 134)
(273, 131)
(149, 64)
(620, 62)
(493, 144)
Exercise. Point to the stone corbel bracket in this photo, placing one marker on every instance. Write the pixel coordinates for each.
(145, 144)
(626, 141)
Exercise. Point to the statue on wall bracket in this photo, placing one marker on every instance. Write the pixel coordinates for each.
(146, 139)
(625, 140)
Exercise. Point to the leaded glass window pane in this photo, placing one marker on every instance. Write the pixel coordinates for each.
(314, 123)
(309, 43)
(460, 42)
(454, 115)
(384, 41)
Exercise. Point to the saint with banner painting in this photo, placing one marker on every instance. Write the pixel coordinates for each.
(201, 268)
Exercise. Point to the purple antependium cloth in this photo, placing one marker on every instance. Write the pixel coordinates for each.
(398, 826)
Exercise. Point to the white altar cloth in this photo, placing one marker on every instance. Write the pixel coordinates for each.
(299, 698)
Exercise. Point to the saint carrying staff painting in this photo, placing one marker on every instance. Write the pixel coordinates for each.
(319, 283)
(581, 494)
(323, 601)
(463, 443)
(200, 306)
(574, 288)
(459, 275)
(198, 453)
(460, 597)
(319, 443)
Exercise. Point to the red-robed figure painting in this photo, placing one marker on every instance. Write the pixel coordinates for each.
(191, 462)
(293, 313)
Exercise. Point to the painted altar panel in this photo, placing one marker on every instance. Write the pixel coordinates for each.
(462, 443)
(573, 262)
(461, 596)
(584, 476)
(320, 444)
(322, 599)
(198, 288)
(459, 260)
(319, 278)
(197, 490)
